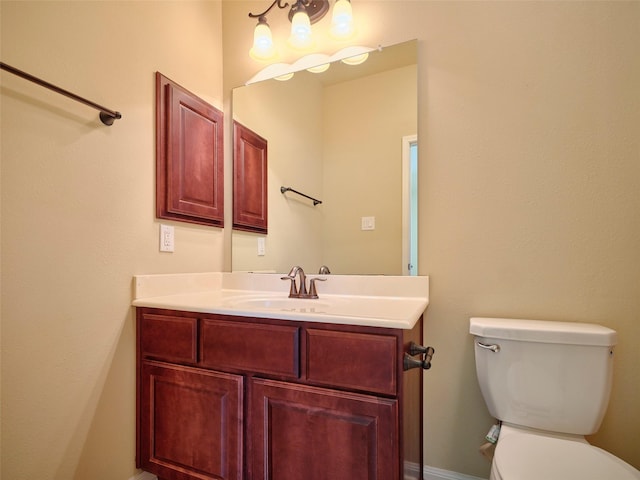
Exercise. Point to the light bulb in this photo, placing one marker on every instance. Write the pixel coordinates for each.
(342, 20)
(300, 38)
(262, 42)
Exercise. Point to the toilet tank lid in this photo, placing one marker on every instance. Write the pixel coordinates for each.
(543, 331)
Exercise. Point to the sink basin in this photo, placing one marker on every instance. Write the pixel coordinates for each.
(333, 307)
(308, 305)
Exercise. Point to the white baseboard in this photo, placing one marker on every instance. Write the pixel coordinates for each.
(144, 476)
(411, 471)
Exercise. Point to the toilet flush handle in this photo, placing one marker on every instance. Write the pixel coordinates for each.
(494, 348)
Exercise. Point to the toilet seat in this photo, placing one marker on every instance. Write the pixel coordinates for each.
(533, 456)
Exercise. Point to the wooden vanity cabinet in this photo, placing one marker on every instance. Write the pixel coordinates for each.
(236, 398)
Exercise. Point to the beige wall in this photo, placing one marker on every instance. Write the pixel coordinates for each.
(529, 168)
(529, 184)
(78, 221)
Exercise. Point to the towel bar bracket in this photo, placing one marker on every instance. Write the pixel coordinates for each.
(315, 201)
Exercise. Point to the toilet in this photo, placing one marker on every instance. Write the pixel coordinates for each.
(548, 384)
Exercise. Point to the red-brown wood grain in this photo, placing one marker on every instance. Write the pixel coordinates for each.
(222, 397)
(189, 156)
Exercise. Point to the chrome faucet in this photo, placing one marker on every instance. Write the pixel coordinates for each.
(300, 290)
(324, 270)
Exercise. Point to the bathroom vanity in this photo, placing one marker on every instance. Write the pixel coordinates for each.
(245, 383)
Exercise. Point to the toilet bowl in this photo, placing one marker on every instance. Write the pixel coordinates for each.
(529, 455)
(548, 383)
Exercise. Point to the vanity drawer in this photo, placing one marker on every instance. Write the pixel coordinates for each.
(168, 338)
(251, 347)
(352, 360)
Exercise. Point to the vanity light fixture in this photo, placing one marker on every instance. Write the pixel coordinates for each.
(301, 37)
(262, 48)
(302, 14)
(342, 20)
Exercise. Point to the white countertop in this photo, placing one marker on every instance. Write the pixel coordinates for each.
(368, 300)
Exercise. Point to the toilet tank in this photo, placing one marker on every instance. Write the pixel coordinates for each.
(553, 376)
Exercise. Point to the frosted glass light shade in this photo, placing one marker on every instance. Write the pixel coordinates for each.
(262, 48)
(285, 77)
(342, 20)
(320, 68)
(301, 37)
(356, 59)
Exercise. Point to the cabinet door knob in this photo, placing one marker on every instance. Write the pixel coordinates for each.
(415, 349)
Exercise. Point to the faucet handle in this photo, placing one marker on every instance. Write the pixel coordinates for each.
(313, 293)
(294, 271)
(293, 289)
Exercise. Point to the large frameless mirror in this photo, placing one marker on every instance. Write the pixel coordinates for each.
(346, 137)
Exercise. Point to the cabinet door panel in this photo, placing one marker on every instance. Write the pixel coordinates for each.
(299, 432)
(189, 158)
(191, 423)
(194, 155)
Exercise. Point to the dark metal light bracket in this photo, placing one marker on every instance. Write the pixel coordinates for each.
(275, 2)
(316, 9)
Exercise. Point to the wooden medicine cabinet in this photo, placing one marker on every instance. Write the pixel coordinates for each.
(249, 180)
(189, 156)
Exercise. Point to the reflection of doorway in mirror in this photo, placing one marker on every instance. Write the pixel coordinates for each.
(410, 205)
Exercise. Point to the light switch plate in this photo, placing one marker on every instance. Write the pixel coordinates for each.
(368, 223)
(167, 239)
(261, 246)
